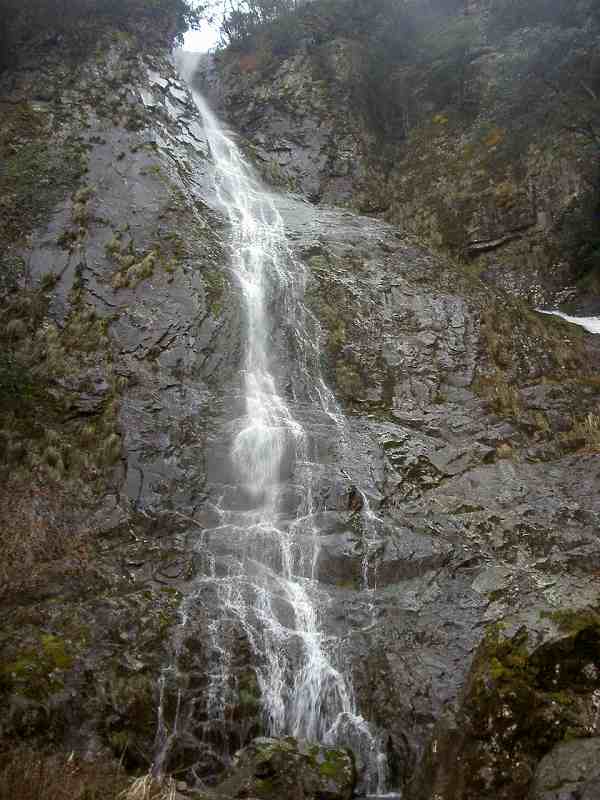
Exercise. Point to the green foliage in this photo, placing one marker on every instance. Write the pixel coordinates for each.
(35, 673)
(387, 37)
(166, 20)
(16, 382)
(522, 699)
(507, 16)
(450, 40)
(243, 21)
(35, 173)
(389, 41)
(386, 34)
(283, 26)
(579, 236)
(214, 286)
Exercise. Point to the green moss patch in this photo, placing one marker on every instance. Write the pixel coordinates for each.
(37, 673)
(37, 170)
(520, 702)
(214, 286)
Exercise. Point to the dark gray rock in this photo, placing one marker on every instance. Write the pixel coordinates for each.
(571, 770)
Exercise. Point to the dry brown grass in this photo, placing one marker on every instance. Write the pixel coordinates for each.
(587, 432)
(505, 397)
(27, 774)
(34, 536)
(148, 788)
(591, 430)
(584, 435)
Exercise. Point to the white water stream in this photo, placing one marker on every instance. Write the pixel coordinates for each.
(268, 588)
(590, 324)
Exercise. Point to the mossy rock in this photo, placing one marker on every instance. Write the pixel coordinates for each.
(38, 170)
(214, 286)
(274, 768)
(571, 769)
(520, 702)
(37, 673)
(131, 717)
(249, 695)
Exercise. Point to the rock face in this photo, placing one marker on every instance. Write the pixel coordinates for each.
(474, 150)
(458, 512)
(109, 385)
(570, 770)
(274, 768)
(520, 700)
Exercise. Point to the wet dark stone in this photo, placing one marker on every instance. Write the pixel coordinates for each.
(273, 768)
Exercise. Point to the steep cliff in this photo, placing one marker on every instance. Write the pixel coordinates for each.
(457, 509)
(476, 130)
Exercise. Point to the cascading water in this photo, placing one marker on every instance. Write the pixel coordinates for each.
(265, 582)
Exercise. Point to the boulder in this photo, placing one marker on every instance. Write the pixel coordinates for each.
(287, 768)
(571, 770)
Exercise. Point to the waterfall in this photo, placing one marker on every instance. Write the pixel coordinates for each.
(264, 582)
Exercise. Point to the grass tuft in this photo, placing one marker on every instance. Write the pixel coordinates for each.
(149, 788)
(588, 429)
(27, 774)
(111, 449)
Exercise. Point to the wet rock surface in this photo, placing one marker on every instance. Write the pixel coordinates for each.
(273, 768)
(458, 511)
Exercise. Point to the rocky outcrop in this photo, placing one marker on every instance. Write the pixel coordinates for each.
(526, 695)
(568, 771)
(274, 768)
(464, 488)
(485, 145)
(110, 319)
